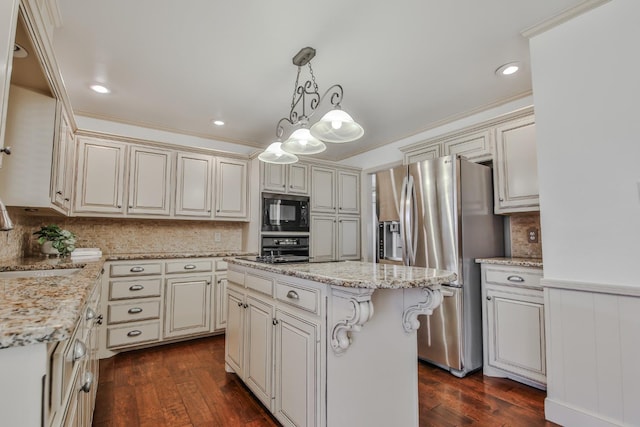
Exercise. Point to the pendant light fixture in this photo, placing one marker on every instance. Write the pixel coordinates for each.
(336, 126)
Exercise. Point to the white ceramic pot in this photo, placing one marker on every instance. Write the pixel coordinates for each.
(48, 249)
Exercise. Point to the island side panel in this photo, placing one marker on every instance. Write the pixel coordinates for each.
(374, 382)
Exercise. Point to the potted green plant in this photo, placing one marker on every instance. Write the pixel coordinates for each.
(54, 239)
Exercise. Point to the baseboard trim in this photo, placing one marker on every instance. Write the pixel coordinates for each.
(569, 416)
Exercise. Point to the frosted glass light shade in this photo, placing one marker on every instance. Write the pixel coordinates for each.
(275, 154)
(337, 126)
(302, 142)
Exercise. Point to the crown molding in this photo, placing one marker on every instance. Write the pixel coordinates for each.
(561, 17)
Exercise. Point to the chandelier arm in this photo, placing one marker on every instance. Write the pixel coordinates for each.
(336, 95)
(280, 128)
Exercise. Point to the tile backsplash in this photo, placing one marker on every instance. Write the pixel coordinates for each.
(115, 235)
(520, 225)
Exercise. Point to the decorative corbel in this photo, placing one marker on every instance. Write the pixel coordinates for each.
(431, 299)
(360, 305)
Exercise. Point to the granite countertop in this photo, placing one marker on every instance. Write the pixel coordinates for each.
(519, 262)
(46, 309)
(356, 274)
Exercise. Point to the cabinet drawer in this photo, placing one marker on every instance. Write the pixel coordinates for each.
(133, 334)
(135, 269)
(221, 265)
(191, 266)
(235, 277)
(515, 277)
(259, 283)
(134, 289)
(131, 312)
(304, 298)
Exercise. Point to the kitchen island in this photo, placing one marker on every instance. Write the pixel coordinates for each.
(330, 344)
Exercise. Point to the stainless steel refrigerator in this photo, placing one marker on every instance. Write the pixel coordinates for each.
(439, 214)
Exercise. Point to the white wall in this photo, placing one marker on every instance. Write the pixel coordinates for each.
(586, 80)
(586, 85)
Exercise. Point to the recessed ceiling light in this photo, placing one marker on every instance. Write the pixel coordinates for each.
(508, 69)
(217, 122)
(99, 89)
(19, 51)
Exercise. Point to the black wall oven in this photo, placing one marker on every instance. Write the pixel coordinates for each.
(284, 212)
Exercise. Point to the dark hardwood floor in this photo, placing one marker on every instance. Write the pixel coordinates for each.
(184, 384)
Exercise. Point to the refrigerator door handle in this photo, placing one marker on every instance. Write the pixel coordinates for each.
(411, 217)
(403, 231)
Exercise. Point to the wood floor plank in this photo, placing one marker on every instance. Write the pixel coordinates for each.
(185, 385)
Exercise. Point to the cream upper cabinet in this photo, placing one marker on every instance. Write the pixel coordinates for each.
(149, 181)
(194, 175)
(8, 24)
(323, 184)
(516, 167)
(231, 189)
(63, 163)
(100, 183)
(475, 146)
(348, 192)
(513, 324)
(188, 306)
(293, 178)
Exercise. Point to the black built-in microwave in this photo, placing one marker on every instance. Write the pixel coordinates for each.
(285, 212)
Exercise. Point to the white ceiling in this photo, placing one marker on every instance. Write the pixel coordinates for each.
(404, 65)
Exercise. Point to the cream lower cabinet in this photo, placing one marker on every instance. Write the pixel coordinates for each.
(150, 302)
(187, 306)
(335, 238)
(296, 369)
(273, 343)
(513, 324)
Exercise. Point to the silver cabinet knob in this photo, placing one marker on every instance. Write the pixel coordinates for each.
(136, 270)
(79, 350)
(136, 287)
(293, 295)
(6, 150)
(517, 279)
(134, 310)
(488, 298)
(88, 382)
(134, 333)
(189, 267)
(90, 314)
(274, 322)
(239, 303)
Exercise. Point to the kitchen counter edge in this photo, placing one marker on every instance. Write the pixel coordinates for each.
(513, 261)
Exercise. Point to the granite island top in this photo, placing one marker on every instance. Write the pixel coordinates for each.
(356, 274)
(46, 309)
(519, 262)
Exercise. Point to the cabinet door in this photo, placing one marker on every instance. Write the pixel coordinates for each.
(516, 338)
(298, 178)
(323, 238)
(149, 181)
(274, 177)
(63, 159)
(234, 335)
(297, 395)
(432, 151)
(9, 20)
(516, 168)
(259, 346)
(348, 238)
(187, 306)
(220, 302)
(193, 184)
(100, 181)
(323, 184)
(474, 146)
(348, 192)
(231, 188)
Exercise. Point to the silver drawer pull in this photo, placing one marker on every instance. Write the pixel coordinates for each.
(517, 279)
(135, 310)
(189, 267)
(88, 382)
(79, 350)
(134, 333)
(90, 314)
(137, 269)
(293, 295)
(136, 287)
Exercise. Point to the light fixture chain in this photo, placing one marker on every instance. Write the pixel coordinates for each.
(295, 89)
(313, 78)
